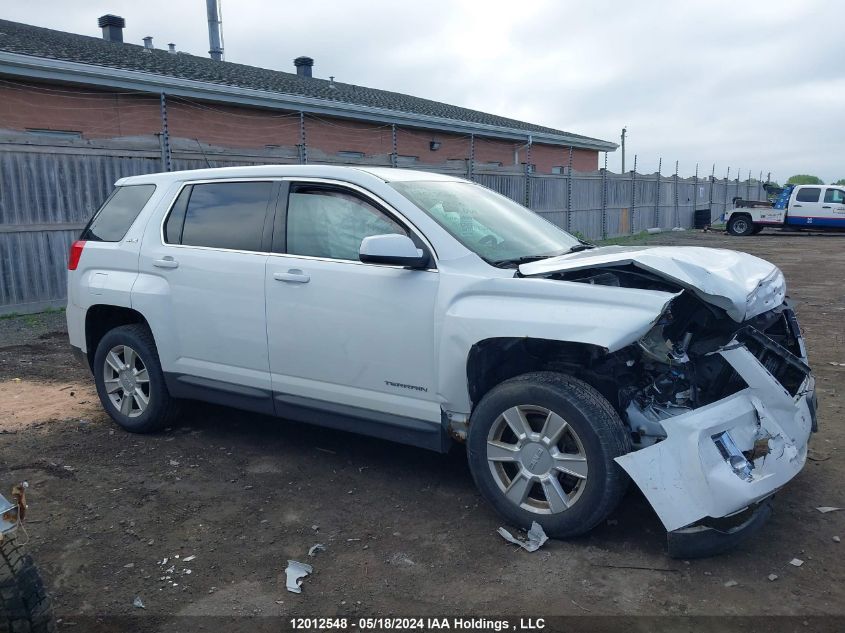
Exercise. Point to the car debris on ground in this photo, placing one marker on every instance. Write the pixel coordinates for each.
(317, 547)
(772, 577)
(826, 509)
(138, 603)
(536, 538)
(295, 572)
(796, 562)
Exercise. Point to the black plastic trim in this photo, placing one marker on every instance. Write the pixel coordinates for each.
(702, 541)
(219, 392)
(386, 426)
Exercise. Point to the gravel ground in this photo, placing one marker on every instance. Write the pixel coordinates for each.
(405, 530)
(28, 328)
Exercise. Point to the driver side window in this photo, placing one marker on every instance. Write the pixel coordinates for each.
(330, 222)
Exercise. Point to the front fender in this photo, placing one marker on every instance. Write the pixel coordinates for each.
(604, 316)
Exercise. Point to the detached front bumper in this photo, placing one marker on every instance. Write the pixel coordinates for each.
(722, 460)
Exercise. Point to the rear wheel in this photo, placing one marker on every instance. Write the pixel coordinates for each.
(129, 379)
(740, 225)
(541, 448)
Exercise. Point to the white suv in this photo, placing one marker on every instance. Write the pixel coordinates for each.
(430, 310)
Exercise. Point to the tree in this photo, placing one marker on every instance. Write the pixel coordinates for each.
(841, 181)
(804, 179)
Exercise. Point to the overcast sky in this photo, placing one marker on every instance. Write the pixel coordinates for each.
(748, 85)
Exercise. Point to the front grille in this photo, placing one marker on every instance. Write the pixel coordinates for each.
(787, 368)
(781, 326)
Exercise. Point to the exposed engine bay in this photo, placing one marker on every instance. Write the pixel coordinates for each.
(673, 368)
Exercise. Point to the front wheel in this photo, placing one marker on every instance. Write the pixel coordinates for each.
(740, 225)
(541, 447)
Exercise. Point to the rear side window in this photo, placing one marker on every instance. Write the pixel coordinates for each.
(118, 213)
(808, 194)
(834, 196)
(220, 215)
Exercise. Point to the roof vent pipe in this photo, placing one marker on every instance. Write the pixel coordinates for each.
(148, 42)
(303, 66)
(171, 48)
(215, 30)
(112, 26)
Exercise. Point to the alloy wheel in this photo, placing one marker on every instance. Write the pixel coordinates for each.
(537, 459)
(126, 381)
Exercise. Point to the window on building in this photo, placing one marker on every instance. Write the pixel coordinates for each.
(330, 222)
(558, 169)
(118, 213)
(220, 215)
(350, 154)
(54, 133)
(493, 163)
(808, 194)
(406, 160)
(834, 196)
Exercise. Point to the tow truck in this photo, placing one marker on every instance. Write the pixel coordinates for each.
(797, 208)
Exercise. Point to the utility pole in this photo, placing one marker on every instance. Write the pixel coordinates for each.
(215, 30)
(624, 132)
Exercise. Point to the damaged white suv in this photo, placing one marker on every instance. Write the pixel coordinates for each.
(427, 309)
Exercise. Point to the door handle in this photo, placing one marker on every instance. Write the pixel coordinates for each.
(825, 207)
(166, 262)
(798, 205)
(294, 275)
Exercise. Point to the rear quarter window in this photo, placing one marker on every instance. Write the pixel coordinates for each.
(808, 194)
(117, 214)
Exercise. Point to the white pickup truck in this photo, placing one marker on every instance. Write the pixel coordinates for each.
(807, 207)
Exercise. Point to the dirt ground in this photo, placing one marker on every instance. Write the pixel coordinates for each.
(116, 516)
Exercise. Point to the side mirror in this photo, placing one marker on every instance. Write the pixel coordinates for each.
(393, 250)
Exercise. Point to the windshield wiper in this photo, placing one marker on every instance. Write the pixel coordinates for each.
(583, 246)
(527, 259)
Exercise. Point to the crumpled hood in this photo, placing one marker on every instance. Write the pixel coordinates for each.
(741, 284)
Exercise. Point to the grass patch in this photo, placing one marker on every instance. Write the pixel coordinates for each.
(30, 319)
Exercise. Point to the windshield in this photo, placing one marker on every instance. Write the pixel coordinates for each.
(491, 225)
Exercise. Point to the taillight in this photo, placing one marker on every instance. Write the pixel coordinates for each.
(75, 254)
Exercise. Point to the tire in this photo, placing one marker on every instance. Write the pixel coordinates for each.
(24, 603)
(131, 413)
(740, 225)
(592, 430)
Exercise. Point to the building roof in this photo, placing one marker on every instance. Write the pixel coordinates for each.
(92, 60)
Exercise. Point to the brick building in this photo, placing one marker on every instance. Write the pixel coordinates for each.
(69, 86)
